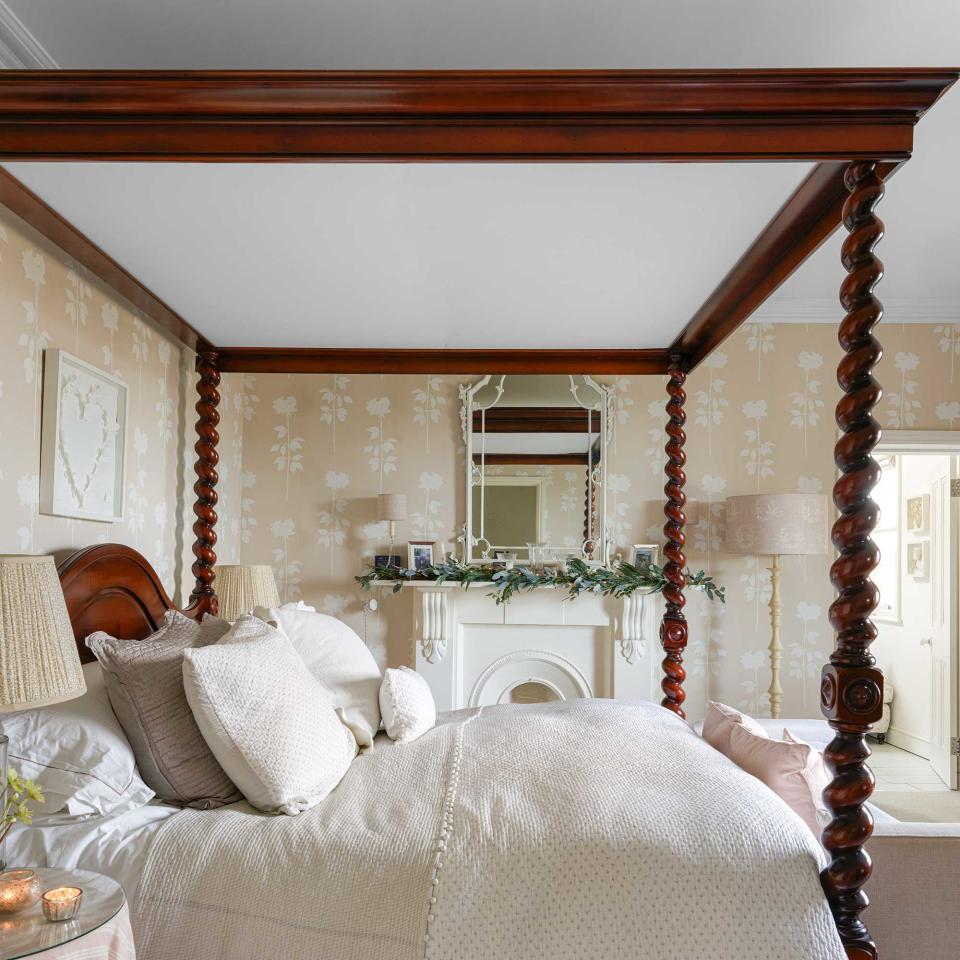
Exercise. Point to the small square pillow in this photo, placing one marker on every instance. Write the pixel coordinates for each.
(339, 659)
(719, 723)
(78, 754)
(145, 682)
(406, 704)
(791, 768)
(269, 722)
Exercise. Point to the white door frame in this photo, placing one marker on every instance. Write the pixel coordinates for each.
(944, 442)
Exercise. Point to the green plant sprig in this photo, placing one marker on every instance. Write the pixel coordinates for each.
(17, 794)
(576, 576)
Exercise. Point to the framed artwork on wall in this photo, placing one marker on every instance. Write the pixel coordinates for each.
(83, 440)
(388, 560)
(420, 554)
(918, 513)
(644, 554)
(918, 558)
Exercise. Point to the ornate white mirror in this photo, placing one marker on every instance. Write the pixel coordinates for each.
(536, 454)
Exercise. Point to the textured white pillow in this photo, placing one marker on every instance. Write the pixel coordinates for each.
(78, 754)
(339, 659)
(406, 704)
(270, 724)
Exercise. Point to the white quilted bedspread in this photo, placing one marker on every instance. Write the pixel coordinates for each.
(581, 829)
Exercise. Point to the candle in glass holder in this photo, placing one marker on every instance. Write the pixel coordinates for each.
(62, 903)
(19, 889)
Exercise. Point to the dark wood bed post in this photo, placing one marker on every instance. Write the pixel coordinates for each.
(673, 627)
(851, 691)
(204, 598)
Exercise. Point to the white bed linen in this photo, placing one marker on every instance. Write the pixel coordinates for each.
(115, 846)
(578, 829)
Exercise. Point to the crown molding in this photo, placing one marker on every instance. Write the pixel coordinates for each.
(828, 310)
(19, 48)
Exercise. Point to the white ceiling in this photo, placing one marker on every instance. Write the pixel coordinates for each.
(432, 255)
(436, 34)
(491, 255)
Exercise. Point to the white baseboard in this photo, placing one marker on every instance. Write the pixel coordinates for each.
(907, 741)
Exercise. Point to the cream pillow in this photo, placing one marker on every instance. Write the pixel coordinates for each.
(791, 768)
(269, 722)
(145, 682)
(406, 704)
(339, 659)
(719, 723)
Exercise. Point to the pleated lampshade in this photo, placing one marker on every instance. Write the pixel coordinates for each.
(241, 588)
(39, 663)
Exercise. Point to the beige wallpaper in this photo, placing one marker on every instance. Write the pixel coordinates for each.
(317, 450)
(46, 300)
(303, 457)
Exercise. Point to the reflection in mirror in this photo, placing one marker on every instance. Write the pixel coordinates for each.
(536, 450)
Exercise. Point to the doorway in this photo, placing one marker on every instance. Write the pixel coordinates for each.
(919, 580)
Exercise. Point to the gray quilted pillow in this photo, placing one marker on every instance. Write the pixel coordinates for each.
(145, 683)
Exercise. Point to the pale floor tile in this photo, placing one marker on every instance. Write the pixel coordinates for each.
(899, 771)
(899, 777)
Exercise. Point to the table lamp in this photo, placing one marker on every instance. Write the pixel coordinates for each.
(393, 508)
(776, 525)
(39, 663)
(240, 588)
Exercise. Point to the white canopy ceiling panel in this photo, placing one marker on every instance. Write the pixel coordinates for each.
(920, 246)
(406, 255)
(437, 34)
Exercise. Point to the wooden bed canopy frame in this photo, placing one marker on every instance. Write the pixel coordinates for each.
(856, 125)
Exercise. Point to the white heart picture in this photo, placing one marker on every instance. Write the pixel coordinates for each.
(84, 413)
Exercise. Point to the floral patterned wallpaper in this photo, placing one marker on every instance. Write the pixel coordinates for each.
(46, 300)
(317, 450)
(303, 458)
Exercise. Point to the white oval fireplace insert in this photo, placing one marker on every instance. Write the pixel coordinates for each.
(528, 676)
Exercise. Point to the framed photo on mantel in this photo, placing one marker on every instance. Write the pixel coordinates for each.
(644, 554)
(420, 554)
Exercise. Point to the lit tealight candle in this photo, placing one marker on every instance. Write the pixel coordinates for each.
(19, 889)
(62, 903)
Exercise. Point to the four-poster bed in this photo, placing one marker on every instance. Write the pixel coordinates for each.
(857, 125)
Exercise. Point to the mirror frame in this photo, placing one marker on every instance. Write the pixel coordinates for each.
(604, 406)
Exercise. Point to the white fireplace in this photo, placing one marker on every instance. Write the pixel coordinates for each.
(539, 646)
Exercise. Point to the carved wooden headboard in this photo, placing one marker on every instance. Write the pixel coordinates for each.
(111, 587)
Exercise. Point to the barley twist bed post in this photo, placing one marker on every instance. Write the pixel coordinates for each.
(205, 486)
(673, 627)
(851, 690)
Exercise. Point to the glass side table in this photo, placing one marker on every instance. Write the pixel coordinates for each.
(29, 932)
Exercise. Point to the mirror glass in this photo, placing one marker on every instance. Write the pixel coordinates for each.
(536, 452)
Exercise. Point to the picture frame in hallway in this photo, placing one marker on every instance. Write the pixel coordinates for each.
(918, 559)
(918, 513)
(420, 554)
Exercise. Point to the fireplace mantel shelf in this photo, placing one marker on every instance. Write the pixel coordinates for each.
(457, 585)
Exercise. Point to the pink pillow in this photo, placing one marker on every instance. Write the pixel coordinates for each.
(719, 723)
(791, 768)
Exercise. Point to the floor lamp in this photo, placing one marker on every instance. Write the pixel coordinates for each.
(776, 525)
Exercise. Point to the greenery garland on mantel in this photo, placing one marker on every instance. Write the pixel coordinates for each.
(576, 576)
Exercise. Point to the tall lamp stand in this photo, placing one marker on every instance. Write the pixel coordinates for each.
(776, 525)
